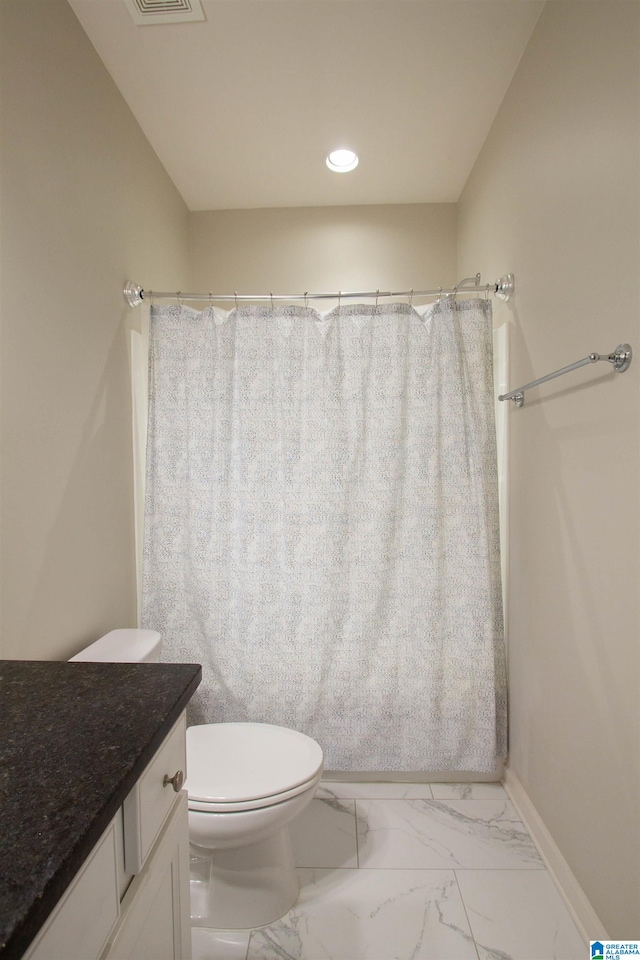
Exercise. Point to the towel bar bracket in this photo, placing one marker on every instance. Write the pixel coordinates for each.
(621, 359)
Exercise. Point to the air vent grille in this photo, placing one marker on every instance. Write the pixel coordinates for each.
(164, 11)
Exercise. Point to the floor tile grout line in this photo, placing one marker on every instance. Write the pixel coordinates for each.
(464, 907)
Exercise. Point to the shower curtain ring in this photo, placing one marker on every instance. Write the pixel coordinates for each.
(210, 299)
(235, 297)
(271, 296)
(306, 299)
(377, 295)
(178, 298)
(411, 297)
(339, 298)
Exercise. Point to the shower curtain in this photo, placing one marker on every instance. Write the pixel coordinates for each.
(321, 526)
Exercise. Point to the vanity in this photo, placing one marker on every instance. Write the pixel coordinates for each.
(94, 848)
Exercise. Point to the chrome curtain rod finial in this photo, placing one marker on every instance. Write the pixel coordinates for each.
(133, 294)
(620, 360)
(505, 287)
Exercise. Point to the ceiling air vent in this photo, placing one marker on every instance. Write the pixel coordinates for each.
(164, 11)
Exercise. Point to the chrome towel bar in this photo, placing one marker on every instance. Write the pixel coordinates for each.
(620, 358)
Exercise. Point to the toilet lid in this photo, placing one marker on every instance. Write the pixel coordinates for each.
(232, 762)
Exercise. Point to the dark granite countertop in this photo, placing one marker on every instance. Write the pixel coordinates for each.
(74, 738)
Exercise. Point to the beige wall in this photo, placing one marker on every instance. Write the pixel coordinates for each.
(86, 205)
(323, 248)
(554, 198)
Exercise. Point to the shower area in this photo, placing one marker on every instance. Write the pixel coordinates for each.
(318, 517)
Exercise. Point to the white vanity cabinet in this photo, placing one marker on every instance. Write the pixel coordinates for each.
(130, 898)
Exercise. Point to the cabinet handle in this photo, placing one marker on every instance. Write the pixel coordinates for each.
(176, 781)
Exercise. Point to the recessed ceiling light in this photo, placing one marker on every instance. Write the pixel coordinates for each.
(342, 161)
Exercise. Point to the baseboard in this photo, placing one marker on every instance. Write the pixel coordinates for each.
(585, 917)
(412, 776)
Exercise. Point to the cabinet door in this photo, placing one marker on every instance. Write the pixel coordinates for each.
(80, 924)
(155, 915)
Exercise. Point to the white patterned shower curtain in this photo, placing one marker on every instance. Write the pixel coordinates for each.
(321, 528)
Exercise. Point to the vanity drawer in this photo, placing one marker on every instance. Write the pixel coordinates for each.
(148, 805)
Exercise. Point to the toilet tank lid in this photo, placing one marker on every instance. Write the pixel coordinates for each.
(127, 645)
(230, 762)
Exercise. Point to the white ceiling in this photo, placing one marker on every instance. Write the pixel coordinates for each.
(242, 108)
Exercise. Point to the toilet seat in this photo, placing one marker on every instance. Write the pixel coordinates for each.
(202, 806)
(245, 766)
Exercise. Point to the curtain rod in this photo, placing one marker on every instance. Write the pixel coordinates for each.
(502, 288)
(620, 358)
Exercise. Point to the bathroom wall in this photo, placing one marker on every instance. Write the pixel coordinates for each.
(323, 248)
(554, 197)
(86, 205)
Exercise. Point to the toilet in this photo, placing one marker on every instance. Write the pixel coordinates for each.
(246, 782)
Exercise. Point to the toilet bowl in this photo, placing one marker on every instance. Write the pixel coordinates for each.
(246, 782)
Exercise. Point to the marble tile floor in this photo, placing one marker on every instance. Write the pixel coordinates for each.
(401, 871)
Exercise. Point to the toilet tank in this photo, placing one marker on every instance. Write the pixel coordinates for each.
(124, 646)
